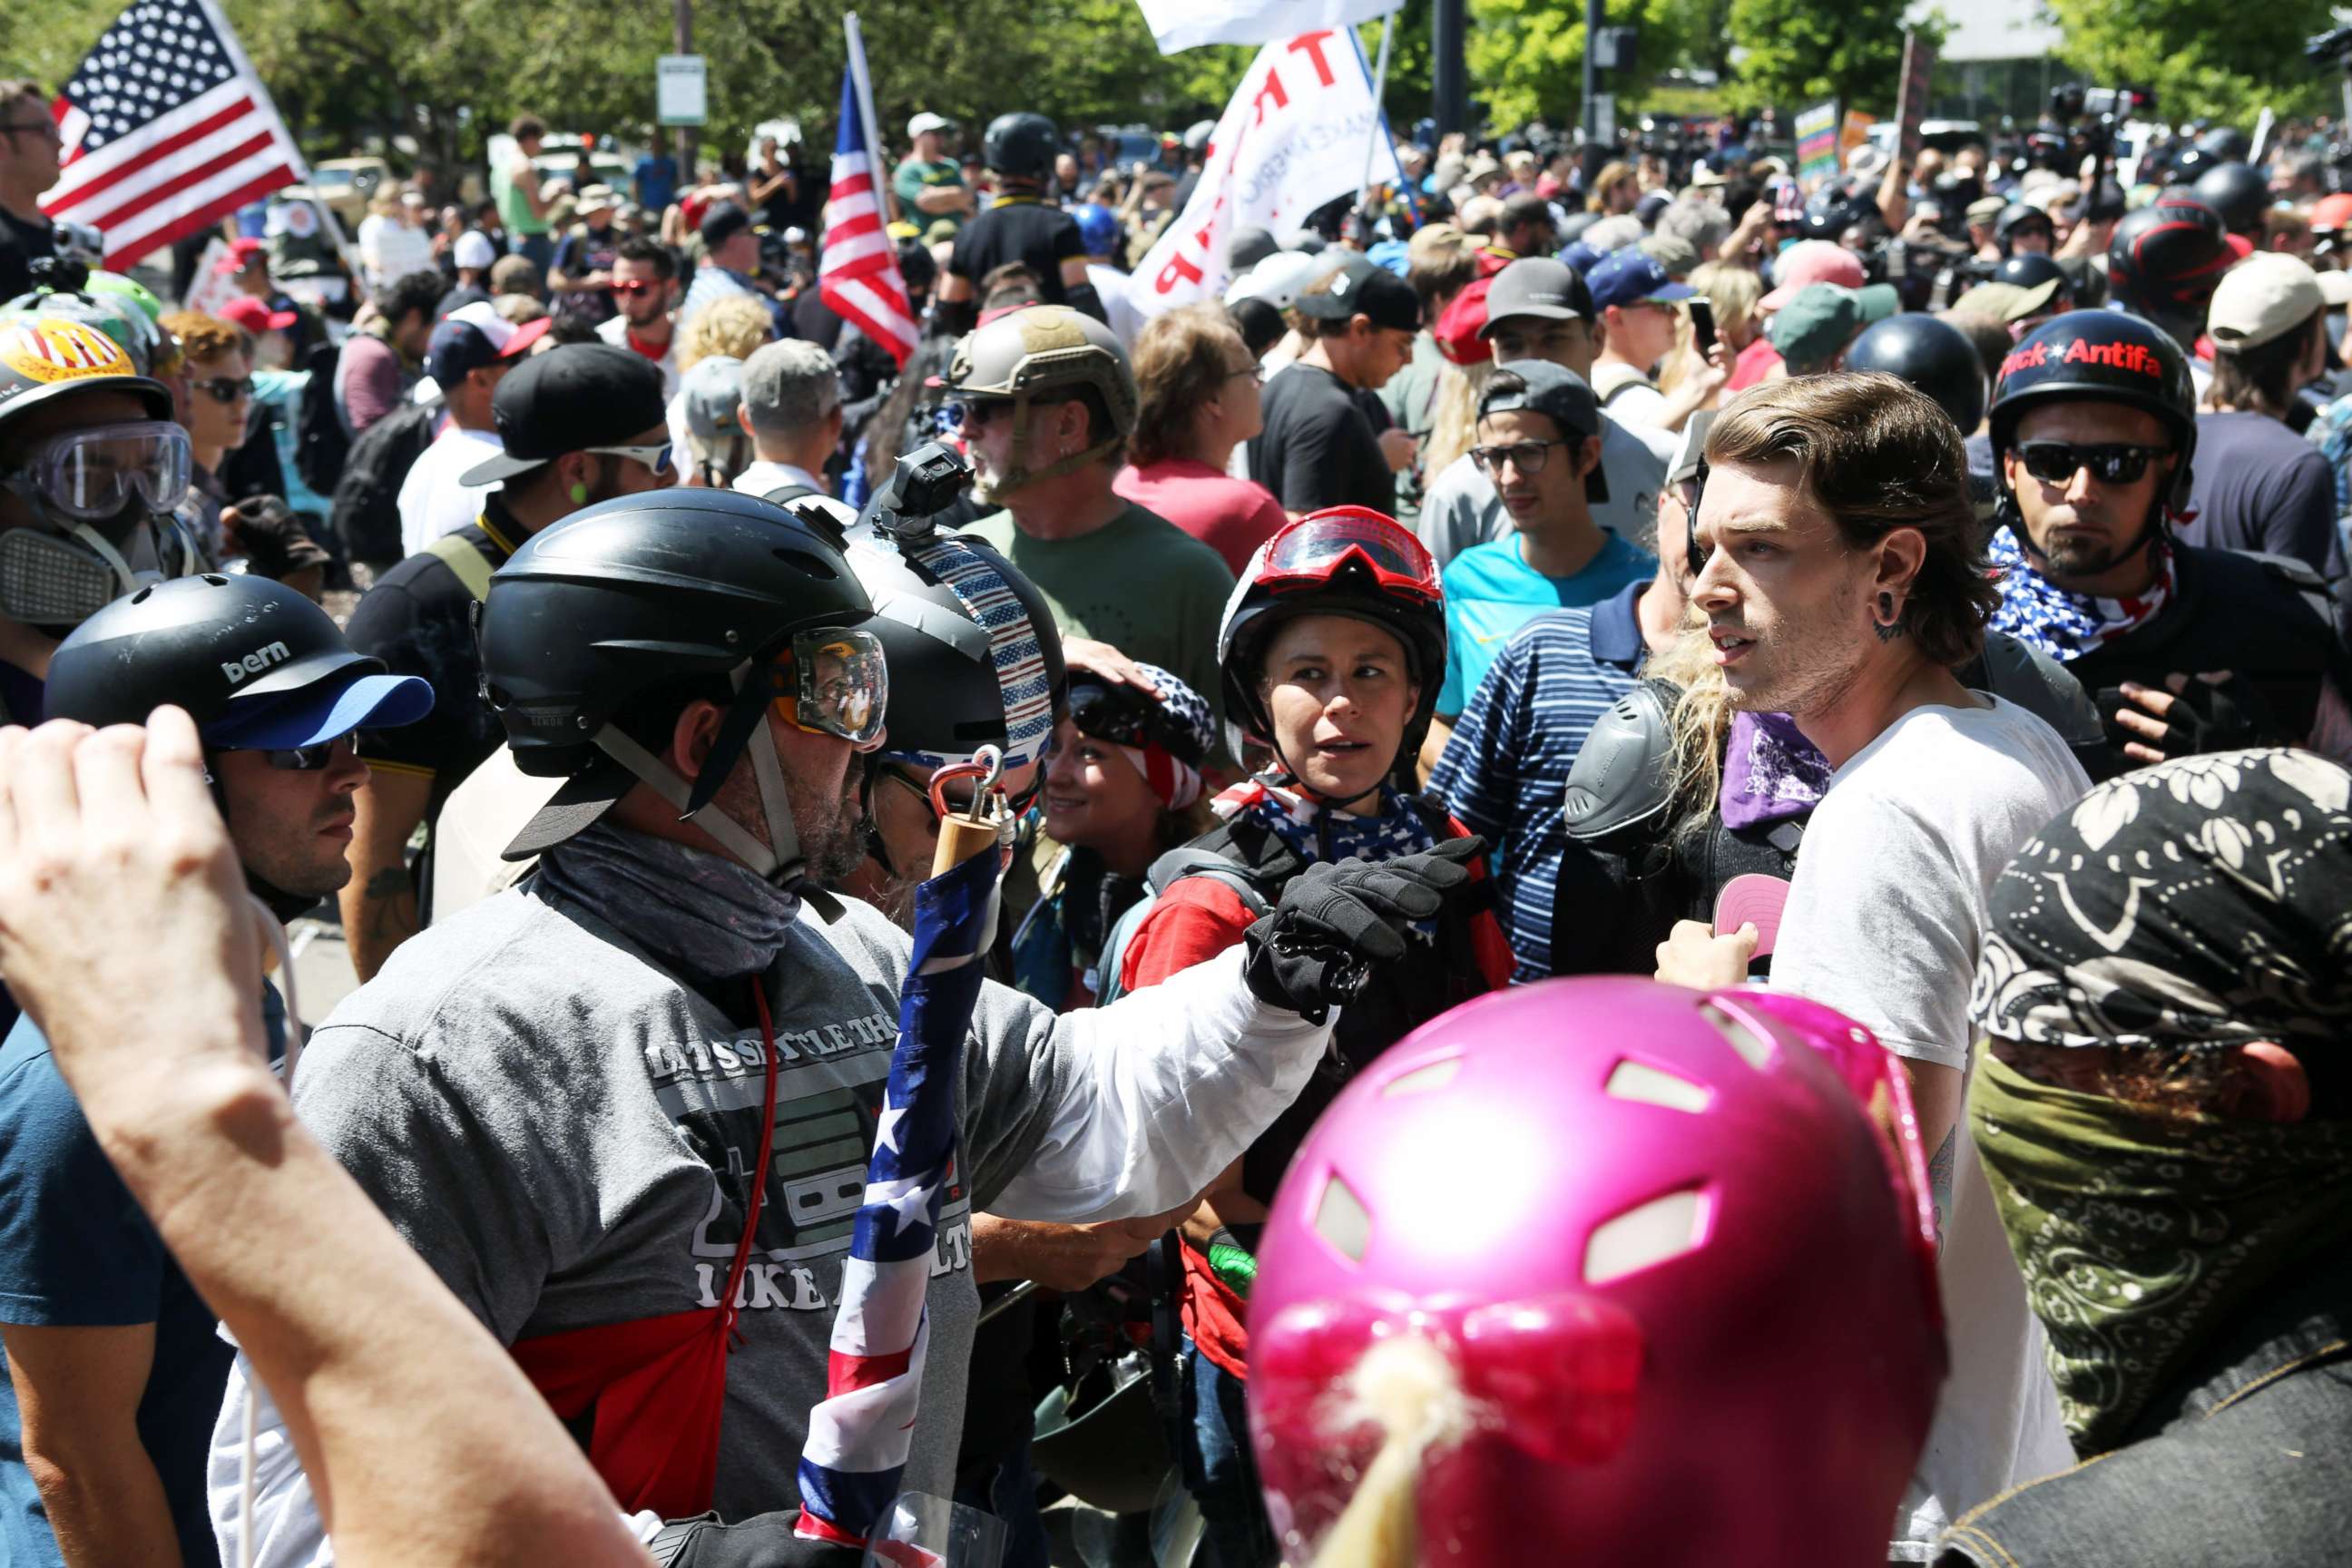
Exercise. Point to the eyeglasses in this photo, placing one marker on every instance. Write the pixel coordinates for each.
(1252, 369)
(2056, 462)
(656, 458)
(224, 389)
(1527, 457)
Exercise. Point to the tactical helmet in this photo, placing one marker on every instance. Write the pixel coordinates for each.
(2165, 261)
(1032, 354)
(2102, 356)
(2029, 270)
(1021, 146)
(974, 656)
(1932, 355)
(2238, 193)
(637, 596)
(2014, 216)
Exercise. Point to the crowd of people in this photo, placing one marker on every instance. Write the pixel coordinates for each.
(1673, 895)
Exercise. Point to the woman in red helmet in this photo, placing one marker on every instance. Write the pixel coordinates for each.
(1331, 651)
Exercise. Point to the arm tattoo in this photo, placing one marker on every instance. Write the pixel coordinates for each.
(1939, 1179)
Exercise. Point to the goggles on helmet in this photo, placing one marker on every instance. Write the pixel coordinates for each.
(836, 685)
(95, 475)
(1311, 553)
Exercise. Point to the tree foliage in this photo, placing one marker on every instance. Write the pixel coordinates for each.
(2208, 58)
(1526, 56)
(1802, 51)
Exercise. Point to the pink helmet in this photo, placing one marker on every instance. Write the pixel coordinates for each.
(1685, 1280)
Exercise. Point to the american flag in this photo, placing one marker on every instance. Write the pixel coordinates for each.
(167, 131)
(860, 1432)
(858, 277)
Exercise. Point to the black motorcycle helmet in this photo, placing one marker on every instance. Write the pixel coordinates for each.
(2031, 271)
(2227, 142)
(618, 616)
(2189, 165)
(1932, 355)
(2238, 193)
(2015, 216)
(1021, 146)
(1832, 210)
(2166, 260)
(2102, 356)
(255, 663)
(975, 657)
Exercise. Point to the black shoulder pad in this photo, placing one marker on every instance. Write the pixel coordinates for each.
(1624, 777)
(2288, 569)
(2044, 688)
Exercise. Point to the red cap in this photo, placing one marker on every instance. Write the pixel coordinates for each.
(240, 250)
(1459, 324)
(256, 316)
(2241, 244)
(2330, 213)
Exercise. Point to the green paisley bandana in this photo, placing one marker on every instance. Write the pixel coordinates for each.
(2139, 1236)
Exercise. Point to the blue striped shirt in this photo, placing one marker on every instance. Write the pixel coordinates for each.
(1504, 770)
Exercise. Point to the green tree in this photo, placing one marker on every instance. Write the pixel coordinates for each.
(1802, 51)
(1525, 58)
(2202, 56)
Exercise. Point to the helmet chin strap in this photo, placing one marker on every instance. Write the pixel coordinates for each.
(105, 550)
(731, 834)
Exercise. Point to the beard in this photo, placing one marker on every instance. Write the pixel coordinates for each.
(1808, 662)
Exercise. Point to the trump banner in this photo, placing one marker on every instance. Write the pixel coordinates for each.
(1292, 139)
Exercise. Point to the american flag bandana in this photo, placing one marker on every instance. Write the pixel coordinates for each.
(859, 1434)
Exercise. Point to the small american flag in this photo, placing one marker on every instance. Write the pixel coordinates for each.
(167, 129)
(858, 277)
(859, 1434)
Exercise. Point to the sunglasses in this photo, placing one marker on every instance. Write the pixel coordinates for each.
(2056, 462)
(222, 389)
(1527, 457)
(308, 758)
(633, 285)
(656, 458)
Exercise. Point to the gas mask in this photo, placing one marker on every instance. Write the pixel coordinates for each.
(103, 498)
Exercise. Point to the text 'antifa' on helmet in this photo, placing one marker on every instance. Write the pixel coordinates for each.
(1564, 1370)
(93, 492)
(2099, 357)
(1341, 561)
(2165, 261)
(1043, 354)
(1021, 146)
(602, 629)
(1934, 356)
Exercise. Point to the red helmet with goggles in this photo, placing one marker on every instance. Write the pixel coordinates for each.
(1342, 560)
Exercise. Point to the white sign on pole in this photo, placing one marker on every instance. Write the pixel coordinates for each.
(681, 90)
(1291, 140)
(1604, 118)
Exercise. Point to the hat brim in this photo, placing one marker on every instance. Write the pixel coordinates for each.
(1667, 294)
(315, 717)
(1540, 313)
(505, 466)
(525, 335)
(575, 806)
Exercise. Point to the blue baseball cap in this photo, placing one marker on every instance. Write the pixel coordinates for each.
(1581, 257)
(317, 714)
(1628, 276)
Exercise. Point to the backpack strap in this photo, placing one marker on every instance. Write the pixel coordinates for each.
(465, 558)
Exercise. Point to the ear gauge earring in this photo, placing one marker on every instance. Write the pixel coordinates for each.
(579, 495)
(1888, 622)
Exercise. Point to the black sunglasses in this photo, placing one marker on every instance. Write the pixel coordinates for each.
(223, 389)
(2056, 462)
(306, 759)
(1691, 490)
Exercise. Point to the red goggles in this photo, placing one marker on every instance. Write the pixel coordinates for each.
(1315, 548)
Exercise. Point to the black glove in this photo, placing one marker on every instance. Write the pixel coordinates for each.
(1317, 946)
(764, 1542)
(2206, 715)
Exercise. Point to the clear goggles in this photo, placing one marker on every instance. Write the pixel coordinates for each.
(1314, 549)
(836, 684)
(98, 474)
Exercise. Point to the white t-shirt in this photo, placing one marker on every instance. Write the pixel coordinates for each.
(615, 332)
(1883, 921)
(391, 248)
(764, 478)
(432, 500)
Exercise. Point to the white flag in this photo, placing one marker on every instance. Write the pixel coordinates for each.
(1185, 23)
(1292, 139)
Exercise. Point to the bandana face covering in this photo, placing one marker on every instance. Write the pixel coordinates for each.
(2140, 1236)
(2065, 624)
(703, 915)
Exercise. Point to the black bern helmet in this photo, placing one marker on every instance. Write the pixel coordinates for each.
(2028, 270)
(227, 648)
(2238, 193)
(1934, 356)
(1021, 146)
(2102, 356)
(2166, 260)
(627, 595)
(974, 656)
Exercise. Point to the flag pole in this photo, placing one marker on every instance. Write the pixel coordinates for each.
(1380, 109)
(883, 185)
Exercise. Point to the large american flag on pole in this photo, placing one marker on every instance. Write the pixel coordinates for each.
(858, 275)
(859, 1434)
(167, 131)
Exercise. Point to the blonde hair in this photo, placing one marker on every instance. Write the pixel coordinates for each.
(1406, 1386)
(1732, 292)
(733, 326)
(1611, 176)
(1701, 723)
(1453, 415)
(1440, 261)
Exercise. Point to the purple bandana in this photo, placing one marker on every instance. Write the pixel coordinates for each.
(1771, 772)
